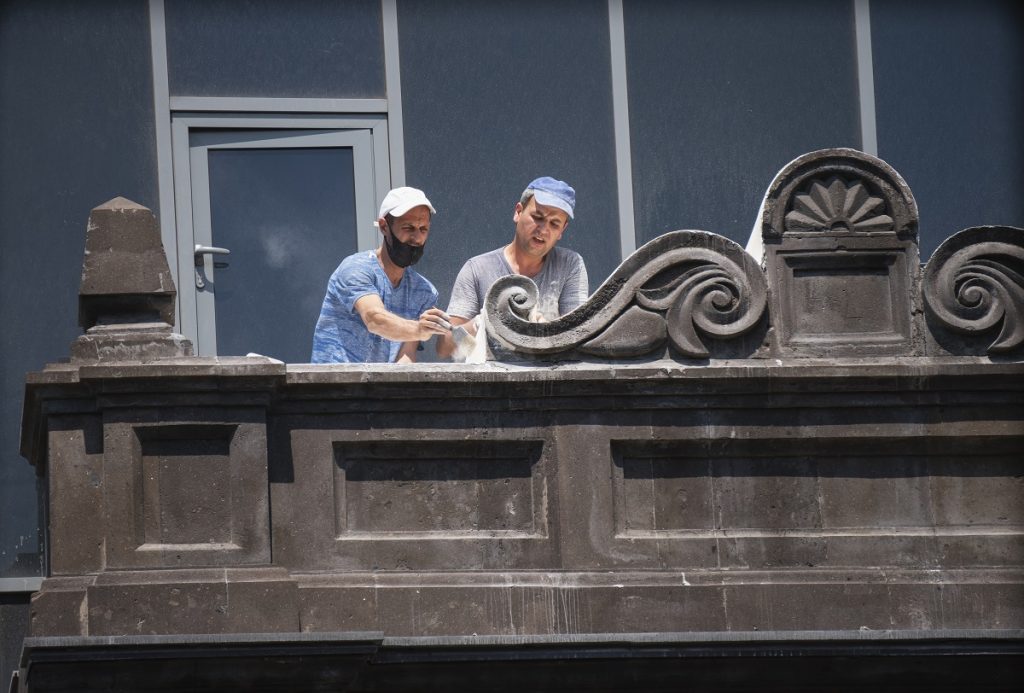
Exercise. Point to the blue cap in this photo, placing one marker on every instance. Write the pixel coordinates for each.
(553, 193)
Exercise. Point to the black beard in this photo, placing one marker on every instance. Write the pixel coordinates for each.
(402, 254)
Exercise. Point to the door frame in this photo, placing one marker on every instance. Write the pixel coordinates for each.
(189, 170)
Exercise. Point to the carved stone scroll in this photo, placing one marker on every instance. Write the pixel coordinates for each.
(974, 285)
(684, 286)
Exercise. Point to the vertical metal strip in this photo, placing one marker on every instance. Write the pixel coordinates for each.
(393, 84)
(162, 123)
(865, 78)
(620, 108)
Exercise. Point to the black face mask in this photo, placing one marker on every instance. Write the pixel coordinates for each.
(402, 254)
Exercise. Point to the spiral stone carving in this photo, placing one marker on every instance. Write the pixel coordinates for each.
(684, 286)
(974, 283)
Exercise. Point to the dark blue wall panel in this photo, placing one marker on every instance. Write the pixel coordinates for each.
(494, 95)
(723, 94)
(949, 85)
(268, 48)
(76, 129)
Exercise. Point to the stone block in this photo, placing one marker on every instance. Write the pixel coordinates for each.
(358, 501)
(186, 494)
(60, 607)
(75, 480)
(125, 272)
(193, 601)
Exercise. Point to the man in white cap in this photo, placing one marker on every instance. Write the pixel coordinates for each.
(541, 217)
(377, 309)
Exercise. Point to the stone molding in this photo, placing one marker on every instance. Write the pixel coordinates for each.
(841, 277)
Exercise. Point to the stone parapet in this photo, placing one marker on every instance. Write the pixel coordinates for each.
(506, 499)
(825, 439)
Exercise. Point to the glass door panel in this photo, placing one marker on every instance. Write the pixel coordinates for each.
(288, 207)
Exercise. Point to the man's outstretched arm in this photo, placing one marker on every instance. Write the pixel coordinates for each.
(382, 322)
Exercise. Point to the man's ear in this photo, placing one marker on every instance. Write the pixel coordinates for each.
(518, 211)
(382, 224)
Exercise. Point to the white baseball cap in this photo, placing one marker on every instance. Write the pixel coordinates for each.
(400, 200)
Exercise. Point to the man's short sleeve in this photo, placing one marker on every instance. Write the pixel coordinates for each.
(465, 302)
(354, 282)
(576, 288)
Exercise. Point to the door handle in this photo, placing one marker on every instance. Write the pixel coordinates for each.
(205, 250)
(208, 250)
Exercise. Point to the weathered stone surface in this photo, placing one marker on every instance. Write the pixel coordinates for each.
(125, 271)
(126, 299)
(974, 288)
(511, 500)
(838, 191)
(129, 342)
(184, 489)
(839, 229)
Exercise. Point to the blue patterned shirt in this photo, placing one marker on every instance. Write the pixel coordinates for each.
(341, 336)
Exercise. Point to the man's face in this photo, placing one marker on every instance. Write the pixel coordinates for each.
(413, 227)
(538, 227)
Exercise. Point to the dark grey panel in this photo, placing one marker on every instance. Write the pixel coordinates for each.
(948, 79)
(724, 94)
(494, 95)
(288, 216)
(303, 48)
(14, 618)
(76, 129)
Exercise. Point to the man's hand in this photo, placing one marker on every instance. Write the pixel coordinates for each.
(433, 321)
(445, 344)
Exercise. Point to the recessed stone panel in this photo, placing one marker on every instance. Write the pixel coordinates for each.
(765, 493)
(830, 502)
(437, 488)
(186, 490)
(857, 296)
(835, 302)
(185, 494)
(658, 494)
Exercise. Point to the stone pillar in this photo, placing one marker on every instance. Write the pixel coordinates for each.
(155, 461)
(126, 299)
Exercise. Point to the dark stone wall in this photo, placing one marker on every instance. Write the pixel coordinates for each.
(246, 496)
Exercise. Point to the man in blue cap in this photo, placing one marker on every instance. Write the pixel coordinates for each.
(541, 217)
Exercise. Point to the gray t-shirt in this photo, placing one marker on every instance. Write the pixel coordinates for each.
(562, 283)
